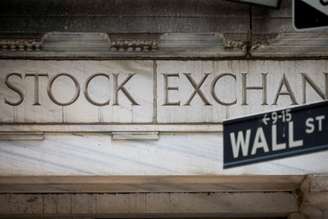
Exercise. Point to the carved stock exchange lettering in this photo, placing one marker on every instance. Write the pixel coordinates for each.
(117, 88)
(121, 87)
(283, 88)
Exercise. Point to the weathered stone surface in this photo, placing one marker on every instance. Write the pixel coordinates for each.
(273, 35)
(185, 8)
(315, 196)
(25, 204)
(263, 32)
(296, 216)
(127, 45)
(239, 89)
(153, 204)
(234, 88)
(172, 154)
(124, 16)
(154, 91)
(56, 102)
(143, 184)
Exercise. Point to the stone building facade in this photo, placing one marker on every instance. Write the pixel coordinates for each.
(114, 108)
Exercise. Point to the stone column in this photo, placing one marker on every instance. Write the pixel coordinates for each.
(297, 216)
(314, 197)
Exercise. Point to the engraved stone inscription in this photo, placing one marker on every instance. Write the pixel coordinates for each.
(206, 91)
(76, 91)
(154, 91)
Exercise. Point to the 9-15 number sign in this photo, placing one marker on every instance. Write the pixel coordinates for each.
(283, 133)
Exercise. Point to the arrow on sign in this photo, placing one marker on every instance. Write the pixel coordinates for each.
(265, 119)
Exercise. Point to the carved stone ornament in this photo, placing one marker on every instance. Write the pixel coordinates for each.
(134, 42)
(234, 41)
(263, 40)
(21, 42)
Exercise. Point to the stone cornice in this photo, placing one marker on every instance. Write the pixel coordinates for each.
(21, 42)
(121, 45)
(134, 42)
